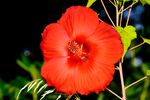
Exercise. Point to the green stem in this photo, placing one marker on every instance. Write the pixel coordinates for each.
(145, 90)
(141, 79)
(1, 94)
(35, 97)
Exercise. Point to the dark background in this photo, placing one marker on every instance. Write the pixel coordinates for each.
(22, 22)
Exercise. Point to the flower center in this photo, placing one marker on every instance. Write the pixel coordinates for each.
(77, 51)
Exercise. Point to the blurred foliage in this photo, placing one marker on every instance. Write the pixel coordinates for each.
(10, 90)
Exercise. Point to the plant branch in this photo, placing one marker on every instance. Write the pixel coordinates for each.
(111, 2)
(122, 81)
(129, 13)
(136, 82)
(117, 16)
(107, 12)
(113, 93)
(136, 46)
(116, 68)
(120, 23)
(122, 7)
(130, 6)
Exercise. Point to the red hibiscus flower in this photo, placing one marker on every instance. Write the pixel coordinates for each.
(80, 52)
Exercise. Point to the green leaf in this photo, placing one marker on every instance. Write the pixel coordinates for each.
(58, 97)
(22, 65)
(145, 2)
(41, 88)
(29, 86)
(46, 93)
(127, 35)
(146, 40)
(148, 73)
(90, 2)
(25, 59)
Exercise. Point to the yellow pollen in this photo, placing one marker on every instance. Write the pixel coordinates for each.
(74, 47)
(76, 50)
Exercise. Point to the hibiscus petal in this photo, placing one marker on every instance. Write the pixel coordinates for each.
(79, 20)
(52, 38)
(106, 43)
(59, 74)
(93, 76)
(83, 78)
